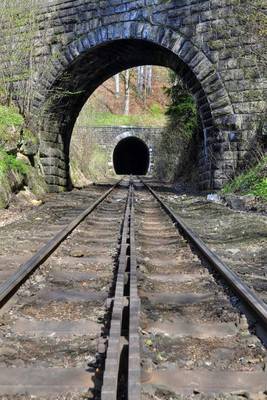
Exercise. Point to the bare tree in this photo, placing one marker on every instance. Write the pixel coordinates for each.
(149, 75)
(127, 92)
(140, 79)
(117, 85)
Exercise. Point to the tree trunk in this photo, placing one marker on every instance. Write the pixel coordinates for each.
(149, 74)
(117, 85)
(140, 80)
(127, 93)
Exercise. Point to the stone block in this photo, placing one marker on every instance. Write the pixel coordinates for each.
(56, 181)
(55, 171)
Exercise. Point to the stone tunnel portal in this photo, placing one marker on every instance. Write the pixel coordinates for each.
(131, 157)
(87, 63)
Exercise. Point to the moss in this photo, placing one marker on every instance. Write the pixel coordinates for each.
(15, 173)
(252, 181)
(11, 163)
(9, 116)
(28, 136)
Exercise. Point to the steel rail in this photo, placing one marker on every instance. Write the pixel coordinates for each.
(256, 305)
(134, 363)
(124, 327)
(12, 284)
(114, 349)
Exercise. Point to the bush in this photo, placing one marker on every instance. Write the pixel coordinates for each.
(253, 181)
(156, 109)
(175, 147)
(9, 119)
(11, 163)
(9, 116)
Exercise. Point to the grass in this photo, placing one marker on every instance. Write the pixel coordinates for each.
(90, 163)
(253, 181)
(28, 136)
(152, 118)
(11, 163)
(10, 124)
(9, 118)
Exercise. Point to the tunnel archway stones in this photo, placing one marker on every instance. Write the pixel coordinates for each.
(203, 69)
(197, 70)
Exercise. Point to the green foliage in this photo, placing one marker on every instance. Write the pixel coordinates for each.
(9, 116)
(174, 148)
(11, 163)
(109, 119)
(12, 129)
(253, 181)
(260, 189)
(156, 110)
(182, 110)
(28, 136)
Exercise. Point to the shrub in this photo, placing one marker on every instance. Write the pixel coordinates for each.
(175, 147)
(252, 181)
(11, 163)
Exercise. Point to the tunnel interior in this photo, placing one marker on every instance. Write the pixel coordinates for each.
(131, 157)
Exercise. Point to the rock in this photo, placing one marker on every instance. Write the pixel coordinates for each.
(8, 352)
(16, 180)
(5, 194)
(26, 198)
(79, 181)
(9, 183)
(243, 323)
(249, 201)
(11, 148)
(234, 251)
(36, 203)
(23, 158)
(36, 182)
(29, 148)
(79, 252)
(242, 203)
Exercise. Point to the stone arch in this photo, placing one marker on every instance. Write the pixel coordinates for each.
(124, 135)
(98, 55)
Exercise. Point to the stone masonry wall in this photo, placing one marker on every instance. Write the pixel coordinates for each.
(79, 44)
(109, 136)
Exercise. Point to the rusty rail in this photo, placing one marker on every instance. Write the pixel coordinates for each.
(122, 366)
(12, 284)
(249, 298)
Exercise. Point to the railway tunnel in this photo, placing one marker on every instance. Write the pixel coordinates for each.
(87, 64)
(131, 157)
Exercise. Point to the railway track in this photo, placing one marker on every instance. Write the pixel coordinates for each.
(121, 305)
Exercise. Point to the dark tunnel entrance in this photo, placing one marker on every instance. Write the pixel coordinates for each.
(131, 157)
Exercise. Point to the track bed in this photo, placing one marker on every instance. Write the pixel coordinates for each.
(126, 308)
